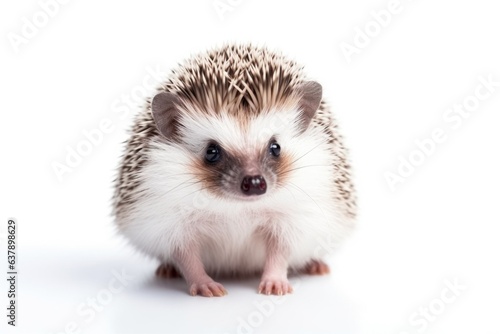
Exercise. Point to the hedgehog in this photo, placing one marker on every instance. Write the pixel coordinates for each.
(235, 166)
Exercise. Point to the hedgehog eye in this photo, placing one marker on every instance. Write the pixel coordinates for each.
(213, 153)
(275, 149)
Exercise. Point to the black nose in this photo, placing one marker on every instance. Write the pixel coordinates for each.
(253, 185)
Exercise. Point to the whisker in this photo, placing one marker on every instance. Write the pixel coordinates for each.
(300, 167)
(315, 147)
(189, 183)
(203, 188)
(174, 162)
(223, 173)
(292, 184)
(294, 198)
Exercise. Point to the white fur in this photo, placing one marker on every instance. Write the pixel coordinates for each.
(174, 211)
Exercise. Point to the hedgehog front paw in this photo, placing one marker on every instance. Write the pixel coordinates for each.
(275, 286)
(207, 289)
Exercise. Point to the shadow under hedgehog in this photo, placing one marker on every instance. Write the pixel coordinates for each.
(241, 128)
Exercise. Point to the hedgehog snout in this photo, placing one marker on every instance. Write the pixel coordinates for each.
(253, 185)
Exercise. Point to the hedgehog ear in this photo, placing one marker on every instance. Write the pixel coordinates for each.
(164, 110)
(311, 93)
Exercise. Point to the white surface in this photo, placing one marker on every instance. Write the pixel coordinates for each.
(442, 223)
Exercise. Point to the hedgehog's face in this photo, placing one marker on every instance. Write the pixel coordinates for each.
(239, 173)
(235, 159)
(237, 155)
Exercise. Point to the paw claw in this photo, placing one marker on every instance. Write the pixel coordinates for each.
(207, 289)
(278, 287)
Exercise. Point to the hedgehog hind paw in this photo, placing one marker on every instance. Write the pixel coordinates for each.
(167, 270)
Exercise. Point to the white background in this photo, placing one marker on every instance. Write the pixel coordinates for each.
(441, 224)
